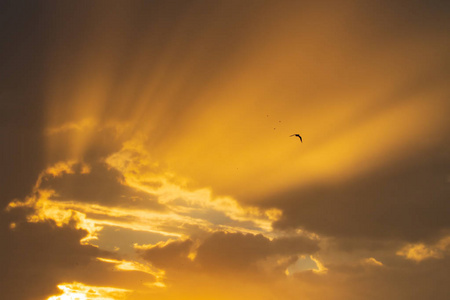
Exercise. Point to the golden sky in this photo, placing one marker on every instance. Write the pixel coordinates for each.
(147, 150)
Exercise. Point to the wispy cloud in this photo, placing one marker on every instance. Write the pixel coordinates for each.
(77, 290)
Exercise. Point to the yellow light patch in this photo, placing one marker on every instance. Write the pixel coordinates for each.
(372, 261)
(80, 291)
(125, 265)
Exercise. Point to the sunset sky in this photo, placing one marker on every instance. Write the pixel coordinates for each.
(146, 150)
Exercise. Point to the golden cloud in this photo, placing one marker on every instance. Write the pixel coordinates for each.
(421, 251)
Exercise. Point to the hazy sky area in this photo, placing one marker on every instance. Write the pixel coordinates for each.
(146, 150)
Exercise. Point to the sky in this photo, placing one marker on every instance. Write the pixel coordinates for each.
(146, 150)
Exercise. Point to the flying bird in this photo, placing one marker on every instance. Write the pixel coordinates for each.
(298, 136)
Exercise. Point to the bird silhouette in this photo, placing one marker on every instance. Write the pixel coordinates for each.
(298, 136)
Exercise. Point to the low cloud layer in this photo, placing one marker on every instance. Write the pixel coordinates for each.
(227, 252)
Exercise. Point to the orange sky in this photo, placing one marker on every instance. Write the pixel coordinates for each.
(148, 151)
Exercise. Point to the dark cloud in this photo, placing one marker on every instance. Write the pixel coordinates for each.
(407, 201)
(170, 255)
(123, 238)
(36, 256)
(102, 185)
(223, 251)
(407, 280)
(233, 251)
(237, 251)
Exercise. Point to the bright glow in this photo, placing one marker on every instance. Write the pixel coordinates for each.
(321, 269)
(183, 204)
(156, 284)
(134, 266)
(143, 173)
(80, 291)
(46, 209)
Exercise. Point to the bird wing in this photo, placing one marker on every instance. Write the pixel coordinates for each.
(296, 134)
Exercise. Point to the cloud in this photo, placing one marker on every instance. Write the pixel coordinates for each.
(125, 265)
(42, 255)
(367, 279)
(372, 281)
(170, 254)
(94, 196)
(88, 197)
(240, 252)
(143, 173)
(373, 261)
(420, 251)
(229, 252)
(77, 289)
(38, 255)
(407, 201)
(101, 185)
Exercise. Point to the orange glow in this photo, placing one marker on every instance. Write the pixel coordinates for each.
(152, 157)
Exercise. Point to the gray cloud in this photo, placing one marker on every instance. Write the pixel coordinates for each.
(408, 201)
(223, 251)
(237, 251)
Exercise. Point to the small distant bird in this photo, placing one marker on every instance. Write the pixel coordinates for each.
(298, 137)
